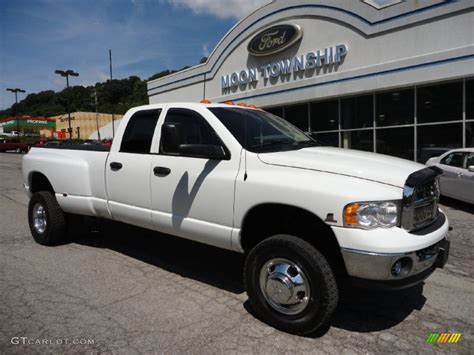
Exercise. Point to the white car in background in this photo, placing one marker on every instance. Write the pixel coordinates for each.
(457, 180)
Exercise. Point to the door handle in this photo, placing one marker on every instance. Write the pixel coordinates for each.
(116, 166)
(460, 174)
(161, 171)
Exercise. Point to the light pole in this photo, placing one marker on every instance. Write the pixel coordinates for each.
(67, 74)
(16, 91)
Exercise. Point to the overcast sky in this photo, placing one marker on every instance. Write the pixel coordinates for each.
(146, 36)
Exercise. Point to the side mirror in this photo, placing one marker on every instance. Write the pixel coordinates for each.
(471, 168)
(207, 151)
(170, 138)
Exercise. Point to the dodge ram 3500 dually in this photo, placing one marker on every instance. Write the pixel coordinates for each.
(243, 179)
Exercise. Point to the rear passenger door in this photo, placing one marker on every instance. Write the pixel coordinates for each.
(128, 170)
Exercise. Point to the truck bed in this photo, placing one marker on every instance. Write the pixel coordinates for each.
(76, 173)
(90, 148)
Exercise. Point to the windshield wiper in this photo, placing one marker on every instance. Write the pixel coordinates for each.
(273, 142)
(309, 143)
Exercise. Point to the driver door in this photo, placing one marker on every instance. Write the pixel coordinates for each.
(193, 195)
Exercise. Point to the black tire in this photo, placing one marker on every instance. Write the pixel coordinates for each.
(324, 293)
(55, 231)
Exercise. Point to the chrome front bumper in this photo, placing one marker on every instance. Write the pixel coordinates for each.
(379, 266)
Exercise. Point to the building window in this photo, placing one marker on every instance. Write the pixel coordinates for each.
(470, 134)
(440, 102)
(325, 115)
(298, 115)
(434, 140)
(360, 140)
(397, 142)
(395, 108)
(349, 122)
(327, 139)
(277, 111)
(357, 112)
(470, 99)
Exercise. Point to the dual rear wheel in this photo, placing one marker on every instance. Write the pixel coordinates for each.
(49, 224)
(46, 219)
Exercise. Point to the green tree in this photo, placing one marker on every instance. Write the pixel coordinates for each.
(114, 96)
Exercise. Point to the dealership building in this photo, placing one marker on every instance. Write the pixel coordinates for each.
(389, 76)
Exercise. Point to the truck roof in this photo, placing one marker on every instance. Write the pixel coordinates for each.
(193, 105)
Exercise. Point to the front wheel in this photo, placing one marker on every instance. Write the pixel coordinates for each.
(46, 219)
(290, 284)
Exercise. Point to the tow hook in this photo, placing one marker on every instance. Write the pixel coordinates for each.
(443, 254)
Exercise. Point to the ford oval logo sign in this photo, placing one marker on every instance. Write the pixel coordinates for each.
(274, 39)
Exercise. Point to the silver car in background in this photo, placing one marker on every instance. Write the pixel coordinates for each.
(457, 180)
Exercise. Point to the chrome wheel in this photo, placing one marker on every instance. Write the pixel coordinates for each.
(284, 286)
(39, 218)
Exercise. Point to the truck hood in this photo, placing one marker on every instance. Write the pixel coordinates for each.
(368, 166)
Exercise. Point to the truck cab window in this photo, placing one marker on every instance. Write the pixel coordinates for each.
(191, 127)
(139, 132)
(260, 131)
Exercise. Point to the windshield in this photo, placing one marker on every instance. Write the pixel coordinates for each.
(260, 131)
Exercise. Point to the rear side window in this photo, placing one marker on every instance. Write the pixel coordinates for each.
(455, 159)
(139, 132)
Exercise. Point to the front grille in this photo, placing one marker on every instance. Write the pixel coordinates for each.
(420, 199)
(424, 212)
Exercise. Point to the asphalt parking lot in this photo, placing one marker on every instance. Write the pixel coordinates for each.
(133, 292)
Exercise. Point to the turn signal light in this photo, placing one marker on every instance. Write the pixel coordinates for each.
(350, 214)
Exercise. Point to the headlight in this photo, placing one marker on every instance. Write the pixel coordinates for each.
(369, 215)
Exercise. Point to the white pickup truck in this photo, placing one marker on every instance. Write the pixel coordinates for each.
(307, 217)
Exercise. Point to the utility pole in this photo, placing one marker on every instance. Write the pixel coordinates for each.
(97, 112)
(113, 115)
(67, 74)
(16, 91)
